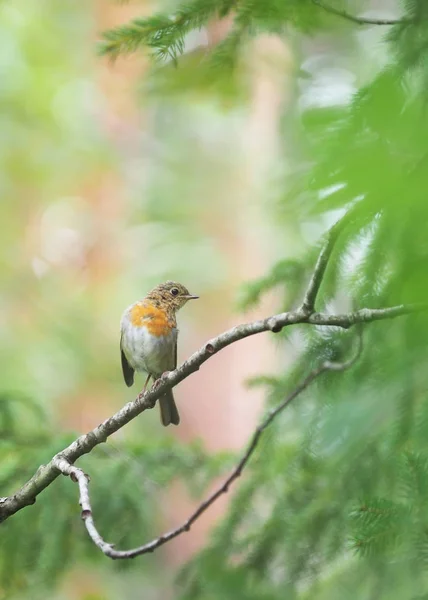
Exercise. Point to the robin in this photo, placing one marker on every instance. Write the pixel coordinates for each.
(148, 340)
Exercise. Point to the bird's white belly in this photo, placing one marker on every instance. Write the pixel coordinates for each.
(147, 352)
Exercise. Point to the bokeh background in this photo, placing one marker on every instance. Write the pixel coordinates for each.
(112, 179)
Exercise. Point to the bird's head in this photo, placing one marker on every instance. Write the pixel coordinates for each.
(171, 294)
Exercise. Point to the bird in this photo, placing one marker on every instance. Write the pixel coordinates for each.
(148, 340)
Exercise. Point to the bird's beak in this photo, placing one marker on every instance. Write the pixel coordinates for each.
(191, 297)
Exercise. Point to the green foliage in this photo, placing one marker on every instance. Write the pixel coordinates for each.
(126, 481)
(332, 504)
(164, 34)
(286, 273)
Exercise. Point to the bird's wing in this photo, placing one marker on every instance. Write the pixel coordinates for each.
(128, 371)
(175, 354)
(171, 363)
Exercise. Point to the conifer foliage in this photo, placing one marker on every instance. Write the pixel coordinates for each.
(333, 506)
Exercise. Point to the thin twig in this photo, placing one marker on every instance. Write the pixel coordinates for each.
(82, 479)
(358, 20)
(308, 305)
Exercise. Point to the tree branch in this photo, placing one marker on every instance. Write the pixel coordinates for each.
(358, 20)
(365, 315)
(46, 474)
(77, 475)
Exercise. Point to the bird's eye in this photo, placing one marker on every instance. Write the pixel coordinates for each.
(174, 291)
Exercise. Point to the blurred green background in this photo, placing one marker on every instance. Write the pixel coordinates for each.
(221, 171)
(108, 188)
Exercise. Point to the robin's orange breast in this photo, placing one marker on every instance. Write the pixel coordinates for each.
(156, 320)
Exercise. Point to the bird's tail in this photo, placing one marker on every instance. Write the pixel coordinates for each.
(168, 409)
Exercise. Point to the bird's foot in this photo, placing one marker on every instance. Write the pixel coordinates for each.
(158, 381)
